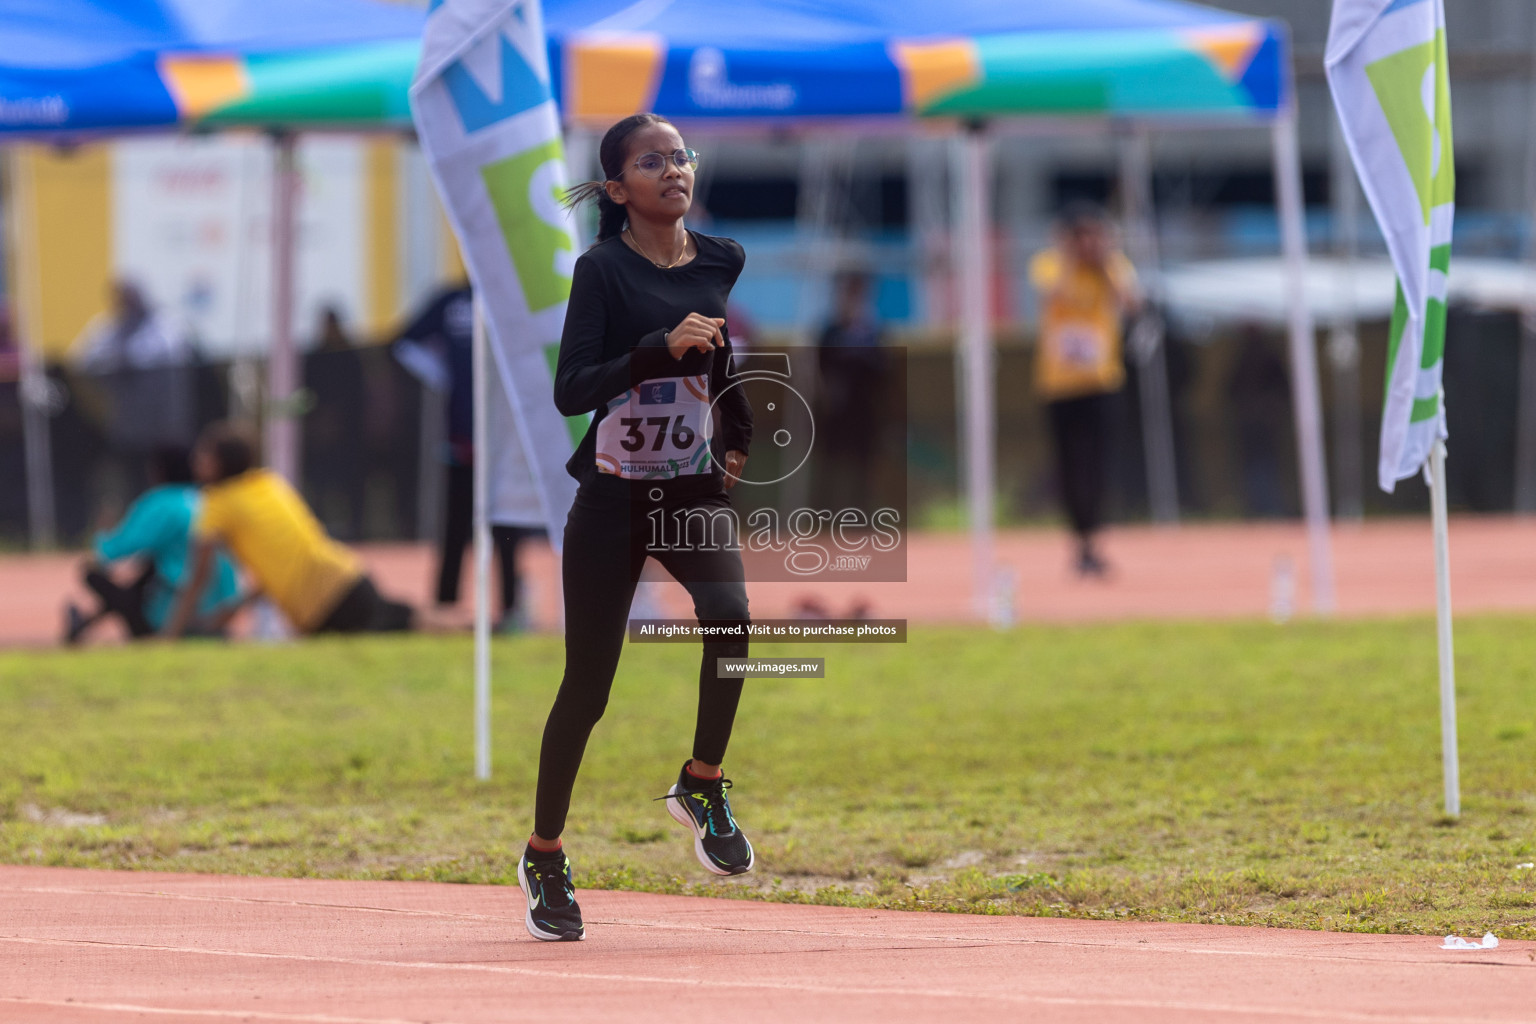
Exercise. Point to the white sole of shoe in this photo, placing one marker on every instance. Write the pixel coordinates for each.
(528, 922)
(683, 818)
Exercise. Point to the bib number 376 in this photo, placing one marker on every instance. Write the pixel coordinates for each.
(657, 430)
(681, 437)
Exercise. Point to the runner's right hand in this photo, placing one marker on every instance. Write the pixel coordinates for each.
(695, 332)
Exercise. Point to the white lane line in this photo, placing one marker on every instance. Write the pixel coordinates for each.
(298, 1018)
(514, 897)
(672, 981)
(1428, 959)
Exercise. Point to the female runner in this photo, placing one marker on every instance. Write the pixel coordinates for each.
(646, 350)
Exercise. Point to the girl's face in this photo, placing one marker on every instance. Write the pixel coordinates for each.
(665, 197)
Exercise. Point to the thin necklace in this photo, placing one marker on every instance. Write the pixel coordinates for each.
(664, 266)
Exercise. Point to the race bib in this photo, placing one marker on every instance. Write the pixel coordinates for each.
(1081, 346)
(657, 430)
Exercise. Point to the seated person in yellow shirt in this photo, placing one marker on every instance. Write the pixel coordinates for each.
(1086, 287)
(317, 584)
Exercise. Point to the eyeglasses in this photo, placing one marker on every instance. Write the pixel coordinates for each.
(653, 164)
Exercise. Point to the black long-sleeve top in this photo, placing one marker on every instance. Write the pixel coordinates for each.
(621, 307)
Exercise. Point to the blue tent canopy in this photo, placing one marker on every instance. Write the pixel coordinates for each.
(79, 66)
(94, 66)
(81, 34)
(752, 59)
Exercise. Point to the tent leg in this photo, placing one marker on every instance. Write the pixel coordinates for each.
(42, 524)
(282, 436)
(1525, 414)
(1308, 404)
(821, 214)
(37, 431)
(580, 158)
(1343, 338)
(1525, 436)
(973, 291)
(1152, 378)
(481, 368)
(927, 216)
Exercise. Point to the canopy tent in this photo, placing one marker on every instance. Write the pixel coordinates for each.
(81, 69)
(761, 59)
(84, 67)
(756, 63)
(346, 63)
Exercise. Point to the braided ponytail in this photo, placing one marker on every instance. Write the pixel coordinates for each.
(611, 216)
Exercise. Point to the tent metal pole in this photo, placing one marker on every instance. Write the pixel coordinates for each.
(927, 215)
(481, 368)
(34, 389)
(419, 251)
(282, 360)
(1525, 422)
(1343, 335)
(973, 290)
(1304, 387)
(1525, 414)
(580, 155)
(1152, 375)
(821, 220)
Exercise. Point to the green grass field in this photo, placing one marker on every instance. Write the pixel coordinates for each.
(1247, 774)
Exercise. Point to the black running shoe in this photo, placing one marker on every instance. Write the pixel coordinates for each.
(701, 805)
(75, 623)
(545, 879)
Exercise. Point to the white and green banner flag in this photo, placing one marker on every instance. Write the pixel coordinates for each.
(1386, 62)
(487, 122)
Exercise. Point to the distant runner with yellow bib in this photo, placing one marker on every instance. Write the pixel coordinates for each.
(1086, 287)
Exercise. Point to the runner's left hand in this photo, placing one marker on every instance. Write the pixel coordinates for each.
(735, 462)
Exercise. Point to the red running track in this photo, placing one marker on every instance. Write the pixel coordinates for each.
(1217, 571)
(100, 947)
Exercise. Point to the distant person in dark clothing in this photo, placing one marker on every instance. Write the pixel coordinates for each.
(851, 363)
(335, 460)
(156, 531)
(1087, 287)
(10, 354)
(1260, 389)
(332, 336)
(140, 365)
(438, 347)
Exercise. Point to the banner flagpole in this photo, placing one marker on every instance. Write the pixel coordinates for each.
(481, 365)
(1389, 73)
(489, 129)
(1449, 756)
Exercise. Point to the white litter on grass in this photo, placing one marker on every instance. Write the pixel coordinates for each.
(1524, 867)
(59, 816)
(1456, 942)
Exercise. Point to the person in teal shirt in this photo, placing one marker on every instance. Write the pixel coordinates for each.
(156, 529)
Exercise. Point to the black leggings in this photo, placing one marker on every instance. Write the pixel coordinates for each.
(1080, 428)
(607, 540)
